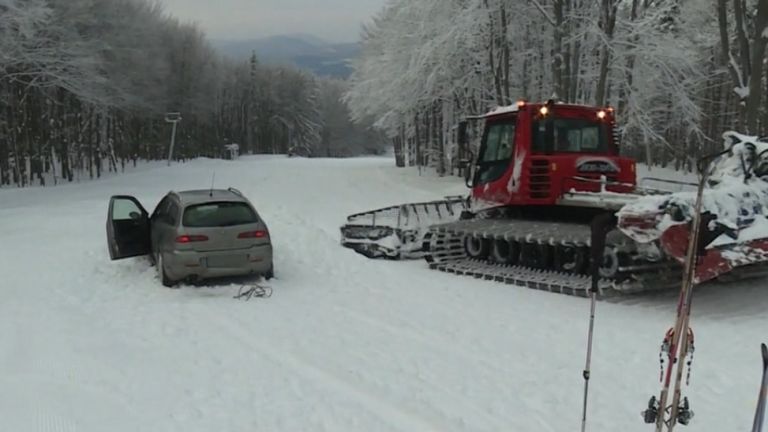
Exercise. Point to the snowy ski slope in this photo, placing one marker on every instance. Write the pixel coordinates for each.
(345, 343)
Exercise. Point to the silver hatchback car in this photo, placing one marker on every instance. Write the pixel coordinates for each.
(192, 235)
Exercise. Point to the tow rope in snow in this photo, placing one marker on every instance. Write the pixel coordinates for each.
(247, 292)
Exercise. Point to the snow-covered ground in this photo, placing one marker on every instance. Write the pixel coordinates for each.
(345, 343)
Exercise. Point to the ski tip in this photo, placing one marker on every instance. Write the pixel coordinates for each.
(765, 353)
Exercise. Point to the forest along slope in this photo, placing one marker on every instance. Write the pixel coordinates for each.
(345, 343)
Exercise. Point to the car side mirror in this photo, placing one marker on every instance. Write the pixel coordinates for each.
(468, 175)
(136, 216)
(466, 164)
(462, 138)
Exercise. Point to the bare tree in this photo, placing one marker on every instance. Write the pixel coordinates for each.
(747, 71)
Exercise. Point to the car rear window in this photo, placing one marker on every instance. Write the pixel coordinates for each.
(218, 214)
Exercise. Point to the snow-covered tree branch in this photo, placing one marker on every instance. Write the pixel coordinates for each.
(85, 85)
(664, 65)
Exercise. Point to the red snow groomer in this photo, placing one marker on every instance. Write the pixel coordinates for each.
(544, 172)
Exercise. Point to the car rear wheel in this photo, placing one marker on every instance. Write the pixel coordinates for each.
(270, 273)
(166, 281)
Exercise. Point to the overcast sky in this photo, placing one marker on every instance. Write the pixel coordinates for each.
(335, 20)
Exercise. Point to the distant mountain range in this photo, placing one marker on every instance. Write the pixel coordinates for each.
(304, 51)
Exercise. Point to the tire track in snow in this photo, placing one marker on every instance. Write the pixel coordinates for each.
(53, 404)
(328, 264)
(440, 404)
(423, 385)
(47, 353)
(392, 414)
(47, 422)
(447, 347)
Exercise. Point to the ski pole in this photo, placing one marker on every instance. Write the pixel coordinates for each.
(757, 426)
(600, 227)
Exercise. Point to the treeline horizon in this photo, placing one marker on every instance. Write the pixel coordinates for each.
(85, 86)
(678, 73)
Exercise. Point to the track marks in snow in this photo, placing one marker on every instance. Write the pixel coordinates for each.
(405, 388)
(316, 369)
(47, 422)
(344, 344)
(422, 354)
(438, 344)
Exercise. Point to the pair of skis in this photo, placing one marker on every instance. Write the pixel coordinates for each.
(682, 416)
(678, 342)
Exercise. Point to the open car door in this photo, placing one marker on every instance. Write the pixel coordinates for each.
(127, 228)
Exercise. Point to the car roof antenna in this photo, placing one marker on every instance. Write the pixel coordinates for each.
(212, 181)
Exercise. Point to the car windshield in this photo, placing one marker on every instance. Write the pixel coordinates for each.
(218, 214)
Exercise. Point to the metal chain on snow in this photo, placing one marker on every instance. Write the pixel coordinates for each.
(688, 376)
(691, 350)
(247, 292)
(665, 346)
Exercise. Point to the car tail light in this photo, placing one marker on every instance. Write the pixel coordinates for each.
(191, 238)
(252, 234)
